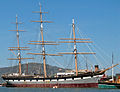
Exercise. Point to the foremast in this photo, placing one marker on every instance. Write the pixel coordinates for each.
(18, 48)
(75, 46)
(43, 42)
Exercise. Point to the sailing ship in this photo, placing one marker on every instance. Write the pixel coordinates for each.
(66, 79)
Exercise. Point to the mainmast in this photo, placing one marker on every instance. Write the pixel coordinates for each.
(43, 48)
(18, 48)
(75, 47)
(43, 43)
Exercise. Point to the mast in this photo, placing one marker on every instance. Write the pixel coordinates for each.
(86, 63)
(75, 46)
(112, 68)
(19, 54)
(43, 43)
(18, 48)
(27, 68)
(43, 47)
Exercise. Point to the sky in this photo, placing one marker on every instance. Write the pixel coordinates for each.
(96, 19)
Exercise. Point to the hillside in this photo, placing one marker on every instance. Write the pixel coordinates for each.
(33, 68)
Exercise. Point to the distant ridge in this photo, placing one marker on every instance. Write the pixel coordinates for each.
(33, 68)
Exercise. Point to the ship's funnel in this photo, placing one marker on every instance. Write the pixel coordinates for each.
(96, 68)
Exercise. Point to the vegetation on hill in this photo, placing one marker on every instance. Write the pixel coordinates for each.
(33, 68)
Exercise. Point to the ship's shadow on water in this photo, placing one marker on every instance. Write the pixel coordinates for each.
(4, 89)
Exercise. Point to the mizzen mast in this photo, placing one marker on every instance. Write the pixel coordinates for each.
(19, 54)
(75, 47)
(18, 48)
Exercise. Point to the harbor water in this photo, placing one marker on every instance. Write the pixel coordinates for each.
(4, 89)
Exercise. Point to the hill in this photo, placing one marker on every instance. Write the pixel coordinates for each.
(33, 68)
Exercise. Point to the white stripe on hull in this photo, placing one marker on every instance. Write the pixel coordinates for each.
(54, 81)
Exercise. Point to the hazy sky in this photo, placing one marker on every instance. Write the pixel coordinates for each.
(98, 19)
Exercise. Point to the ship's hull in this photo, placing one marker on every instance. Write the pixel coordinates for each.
(84, 85)
(109, 85)
(84, 82)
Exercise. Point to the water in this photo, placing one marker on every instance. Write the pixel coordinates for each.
(4, 89)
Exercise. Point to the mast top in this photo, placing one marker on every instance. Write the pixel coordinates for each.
(39, 3)
(16, 15)
(73, 21)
